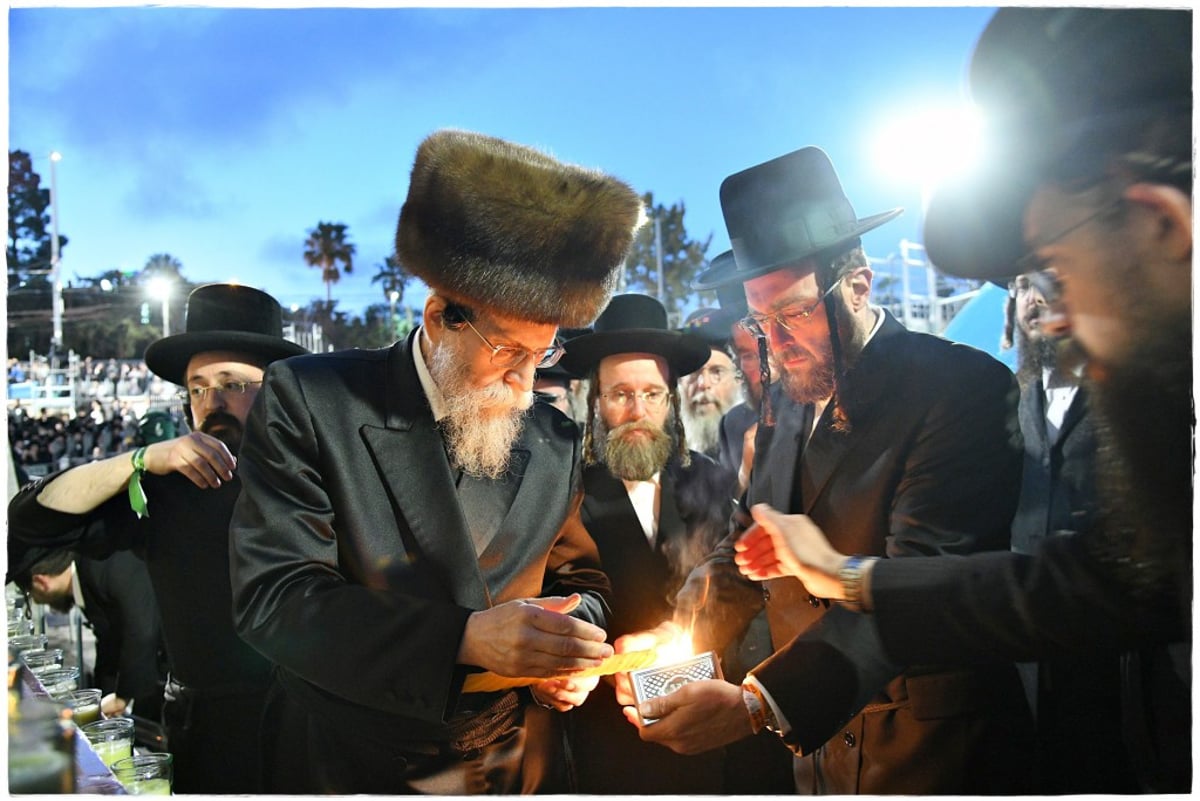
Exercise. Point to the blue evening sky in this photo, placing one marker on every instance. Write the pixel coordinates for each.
(221, 136)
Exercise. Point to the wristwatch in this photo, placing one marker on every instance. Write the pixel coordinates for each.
(851, 575)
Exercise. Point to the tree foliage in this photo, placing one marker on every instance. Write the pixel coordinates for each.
(682, 258)
(29, 231)
(326, 248)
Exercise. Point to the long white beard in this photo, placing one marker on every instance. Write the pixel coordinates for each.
(481, 424)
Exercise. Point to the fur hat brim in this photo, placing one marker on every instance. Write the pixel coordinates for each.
(488, 222)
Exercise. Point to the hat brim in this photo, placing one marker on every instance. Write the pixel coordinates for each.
(168, 358)
(728, 272)
(685, 353)
(974, 226)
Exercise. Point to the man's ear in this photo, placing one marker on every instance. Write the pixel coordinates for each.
(1173, 210)
(860, 288)
(39, 582)
(434, 325)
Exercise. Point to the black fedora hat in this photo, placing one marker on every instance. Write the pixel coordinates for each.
(223, 317)
(783, 211)
(634, 323)
(1059, 89)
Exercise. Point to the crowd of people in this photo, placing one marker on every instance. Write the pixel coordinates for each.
(45, 436)
(429, 568)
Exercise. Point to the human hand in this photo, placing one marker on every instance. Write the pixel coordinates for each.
(663, 633)
(789, 545)
(112, 705)
(202, 458)
(532, 637)
(698, 717)
(564, 694)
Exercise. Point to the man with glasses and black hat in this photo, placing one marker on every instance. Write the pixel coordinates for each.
(901, 444)
(411, 516)
(655, 509)
(1090, 113)
(171, 502)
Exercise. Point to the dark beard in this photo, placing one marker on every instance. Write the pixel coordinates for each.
(225, 427)
(1034, 356)
(634, 458)
(1144, 426)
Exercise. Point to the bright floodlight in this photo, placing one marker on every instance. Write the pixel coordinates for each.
(55, 155)
(159, 288)
(928, 146)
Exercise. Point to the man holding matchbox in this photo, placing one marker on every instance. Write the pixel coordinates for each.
(899, 444)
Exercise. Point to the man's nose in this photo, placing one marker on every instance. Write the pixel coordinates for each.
(521, 376)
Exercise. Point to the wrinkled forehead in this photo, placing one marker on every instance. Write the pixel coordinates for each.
(783, 287)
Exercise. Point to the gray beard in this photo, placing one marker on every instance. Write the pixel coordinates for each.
(635, 459)
(703, 432)
(481, 424)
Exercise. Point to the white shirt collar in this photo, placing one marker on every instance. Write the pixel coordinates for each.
(437, 401)
(644, 495)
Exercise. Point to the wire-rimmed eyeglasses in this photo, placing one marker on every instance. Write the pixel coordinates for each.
(787, 319)
(653, 398)
(196, 394)
(510, 356)
(1032, 263)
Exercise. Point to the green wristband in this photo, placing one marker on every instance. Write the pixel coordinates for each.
(137, 496)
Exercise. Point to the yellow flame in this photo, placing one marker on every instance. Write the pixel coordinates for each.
(678, 649)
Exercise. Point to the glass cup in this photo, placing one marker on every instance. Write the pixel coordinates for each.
(85, 705)
(111, 739)
(21, 627)
(59, 682)
(147, 774)
(27, 642)
(39, 662)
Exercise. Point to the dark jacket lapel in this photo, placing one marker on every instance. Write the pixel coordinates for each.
(862, 387)
(411, 458)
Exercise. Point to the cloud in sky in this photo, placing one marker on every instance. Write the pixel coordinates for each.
(219, 135)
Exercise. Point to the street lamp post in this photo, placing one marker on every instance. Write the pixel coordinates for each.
(56, 303)
(160, 288)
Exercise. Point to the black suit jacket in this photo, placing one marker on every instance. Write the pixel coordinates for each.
(121, 609)
(353, 567)
(1058, 482)
(930, 466)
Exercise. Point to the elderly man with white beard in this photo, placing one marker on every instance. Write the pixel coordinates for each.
(655, 509)
(711, 391)
(410, 516)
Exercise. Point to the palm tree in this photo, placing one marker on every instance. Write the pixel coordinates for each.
(393, 278)
(326, 247)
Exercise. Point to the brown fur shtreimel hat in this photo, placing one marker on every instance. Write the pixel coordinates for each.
(493, 223)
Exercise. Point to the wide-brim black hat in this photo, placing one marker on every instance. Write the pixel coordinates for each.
(228, 317)
(784, 211)
(635, 323)
(1058, 88)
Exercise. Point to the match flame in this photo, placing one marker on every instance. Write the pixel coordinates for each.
(677, 649)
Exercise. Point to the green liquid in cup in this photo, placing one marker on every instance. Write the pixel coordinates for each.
(83, 715)
(111, 751)
(148, 787)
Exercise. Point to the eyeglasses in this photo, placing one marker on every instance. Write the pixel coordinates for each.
(713, 375)
(510, 356)
(787, 319)
(653, 398)
(1032, 263)
(195, 394)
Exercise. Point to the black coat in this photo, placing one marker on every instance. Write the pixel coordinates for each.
(930, 466)
(121, 610)
(355, 572)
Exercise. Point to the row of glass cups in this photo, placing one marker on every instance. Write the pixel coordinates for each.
(111, 738)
